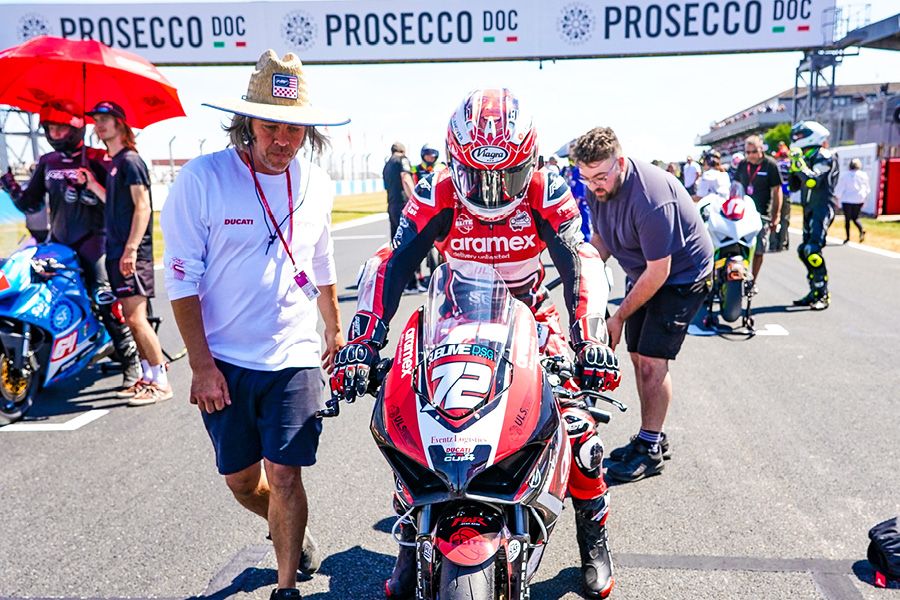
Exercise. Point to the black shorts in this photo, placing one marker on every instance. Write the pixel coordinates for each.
(272, 415)
(658, 328)
(139, 283)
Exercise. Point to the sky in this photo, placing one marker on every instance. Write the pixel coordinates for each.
(657, 105)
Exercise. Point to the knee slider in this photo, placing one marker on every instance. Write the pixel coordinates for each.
(588, 454)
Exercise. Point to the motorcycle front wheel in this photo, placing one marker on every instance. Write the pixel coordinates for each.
(731, 301)
(17, 389)
(467, 583)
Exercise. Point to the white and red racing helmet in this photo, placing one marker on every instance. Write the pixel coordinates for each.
(492, 152)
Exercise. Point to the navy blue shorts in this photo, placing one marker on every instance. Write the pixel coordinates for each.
(272, 415)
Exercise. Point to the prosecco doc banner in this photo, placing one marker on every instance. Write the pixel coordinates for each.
(361, 31)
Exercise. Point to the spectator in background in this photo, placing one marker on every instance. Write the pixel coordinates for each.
(761, 178)
(398, 181)
(553, 164)
(691, 172)
(674, 169)
(576, 186)
(129, 245)
(736, 159)
(714, 179)
(851, 191)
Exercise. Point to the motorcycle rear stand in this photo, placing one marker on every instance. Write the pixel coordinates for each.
(746, 328)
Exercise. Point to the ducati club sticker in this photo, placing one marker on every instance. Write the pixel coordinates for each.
(489, 155)
(513, 549)
(520, 221)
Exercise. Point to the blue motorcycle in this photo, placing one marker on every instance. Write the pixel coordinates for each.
(48, 331)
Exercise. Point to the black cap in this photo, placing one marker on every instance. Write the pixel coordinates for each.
(108, 108)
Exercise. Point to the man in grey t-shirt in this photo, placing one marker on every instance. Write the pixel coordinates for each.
(646, 219)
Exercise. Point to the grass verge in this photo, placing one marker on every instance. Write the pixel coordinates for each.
(879, 233)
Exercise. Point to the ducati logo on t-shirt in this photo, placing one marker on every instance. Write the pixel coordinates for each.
(464, 223)
(520, 221)
(114, 171)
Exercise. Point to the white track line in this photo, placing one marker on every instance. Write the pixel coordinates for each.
(839, 242)
(360, 221)
(339, 238)
(70, 425)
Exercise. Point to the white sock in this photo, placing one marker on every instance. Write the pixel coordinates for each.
(159, 375)
(147, 374)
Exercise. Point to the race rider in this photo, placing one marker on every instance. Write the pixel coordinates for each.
(493, 206)
(429, 154)
(814, 173)
(76, 215)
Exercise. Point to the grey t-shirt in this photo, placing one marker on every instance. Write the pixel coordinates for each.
(652, 216)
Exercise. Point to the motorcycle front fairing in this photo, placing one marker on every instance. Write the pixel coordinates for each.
(56, 304)
(465, 411)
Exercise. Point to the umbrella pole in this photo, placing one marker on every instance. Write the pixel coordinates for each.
(83, 115)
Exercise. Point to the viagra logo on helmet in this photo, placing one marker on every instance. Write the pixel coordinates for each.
(490, 155)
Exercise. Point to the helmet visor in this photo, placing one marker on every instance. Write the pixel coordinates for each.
(492, 190)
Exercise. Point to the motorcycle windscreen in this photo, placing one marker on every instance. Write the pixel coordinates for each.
(466, 335)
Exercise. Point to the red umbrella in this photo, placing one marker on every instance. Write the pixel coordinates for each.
(47, 68)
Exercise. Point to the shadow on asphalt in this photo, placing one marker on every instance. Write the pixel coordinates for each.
(564, 582)
(385, 525)
(866, 573)
(76, 395)
(764, 310)
(354, 573)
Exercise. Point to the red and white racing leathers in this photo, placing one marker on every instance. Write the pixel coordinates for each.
(548, 218)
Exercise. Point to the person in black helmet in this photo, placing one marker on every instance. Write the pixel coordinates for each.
(76, 214)
(429, 154)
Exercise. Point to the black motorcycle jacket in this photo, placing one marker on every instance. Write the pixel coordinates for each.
(816, 179)
(75, 212)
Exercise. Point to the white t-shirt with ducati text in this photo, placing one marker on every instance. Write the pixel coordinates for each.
(217, 247)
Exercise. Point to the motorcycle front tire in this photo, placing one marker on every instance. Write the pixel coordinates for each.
(732, 300)
(467, 583)
(13, 406)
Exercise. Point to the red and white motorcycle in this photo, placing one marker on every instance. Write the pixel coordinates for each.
(468, 415)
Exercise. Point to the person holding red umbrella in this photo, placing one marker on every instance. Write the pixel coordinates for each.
(129, 244)
(76, 214)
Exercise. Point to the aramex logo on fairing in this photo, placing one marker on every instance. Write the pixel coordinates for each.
(406, 357)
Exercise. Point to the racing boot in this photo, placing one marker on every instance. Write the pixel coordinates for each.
(402, 583)
(806, 300)
(110, 313)
(593, 545)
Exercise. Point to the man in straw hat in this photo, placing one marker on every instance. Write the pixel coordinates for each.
(248, 258)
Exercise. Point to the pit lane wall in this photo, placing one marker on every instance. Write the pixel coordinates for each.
(369, 31)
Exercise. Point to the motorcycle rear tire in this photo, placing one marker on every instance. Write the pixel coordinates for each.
(732, 300)
(13, 408)
(467, 583)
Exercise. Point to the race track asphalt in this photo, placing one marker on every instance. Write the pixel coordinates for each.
(785, 453)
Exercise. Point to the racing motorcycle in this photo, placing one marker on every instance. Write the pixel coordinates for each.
(733, 224)
(48, 331)
(468, 416)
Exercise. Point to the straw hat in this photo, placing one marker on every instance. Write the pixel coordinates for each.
(277, 92)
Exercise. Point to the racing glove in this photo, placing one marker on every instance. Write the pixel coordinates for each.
(596, 365)
(354, 362)
(9, 184)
